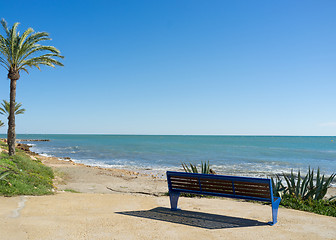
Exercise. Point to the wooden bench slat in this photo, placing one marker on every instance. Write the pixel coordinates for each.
(183, 178)
(251, 184)
(186, 186)
(182, 182)
(253, 192)
(185, 183)
(208, 183)
(251, 188)
(217, 187)
(252, 195)
(209, 180)
(248, 186)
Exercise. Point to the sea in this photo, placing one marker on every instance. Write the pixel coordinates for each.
(259, 156)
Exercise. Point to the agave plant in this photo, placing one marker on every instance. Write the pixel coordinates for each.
(278, 187)
(192, 169)
(322, 185)
(205, 168)
(308, 187)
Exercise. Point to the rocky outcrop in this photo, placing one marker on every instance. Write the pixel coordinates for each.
(25, 147)
(33, 140)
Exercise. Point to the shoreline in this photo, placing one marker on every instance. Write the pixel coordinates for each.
(78, 176)
(83, 178)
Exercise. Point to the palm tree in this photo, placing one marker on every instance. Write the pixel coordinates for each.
(1, 124)
(5, 109)
(17, 52)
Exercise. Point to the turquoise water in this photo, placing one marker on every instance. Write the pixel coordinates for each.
(237, 155)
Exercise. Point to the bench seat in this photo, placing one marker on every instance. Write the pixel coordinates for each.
(256, 189)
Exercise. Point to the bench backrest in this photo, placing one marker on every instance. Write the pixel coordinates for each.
(259, 189)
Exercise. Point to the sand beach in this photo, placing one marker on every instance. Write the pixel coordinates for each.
(121, 204)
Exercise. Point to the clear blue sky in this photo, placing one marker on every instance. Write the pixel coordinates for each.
(180, 67)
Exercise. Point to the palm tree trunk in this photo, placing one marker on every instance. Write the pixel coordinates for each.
(11, 119)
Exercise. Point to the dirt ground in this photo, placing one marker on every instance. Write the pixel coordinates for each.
(120, 204)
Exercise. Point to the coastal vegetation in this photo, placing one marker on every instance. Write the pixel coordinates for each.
(71, 191)
(309, 187)
(323, 206)
(22, 175)
(307, 193)
(192, 168)
(17, 52)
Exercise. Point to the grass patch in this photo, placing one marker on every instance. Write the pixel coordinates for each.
(25, 176)
(70, 190)
(323, 207)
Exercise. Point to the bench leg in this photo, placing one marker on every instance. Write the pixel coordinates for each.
(275, 207)
(174, 196)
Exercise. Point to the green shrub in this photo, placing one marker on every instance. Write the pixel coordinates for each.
(321, 206)
(23, 176)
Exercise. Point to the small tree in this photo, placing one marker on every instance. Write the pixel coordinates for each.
(18, 52)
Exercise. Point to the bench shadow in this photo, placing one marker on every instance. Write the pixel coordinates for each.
(195, 219)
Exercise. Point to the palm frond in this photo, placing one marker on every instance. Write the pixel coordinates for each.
(5, 64)
(4, 110)
(31, 42)
(25, 35)
(36, 49)
(13, 42)
(19, 51)
(41, 60)
(4, 24)
(24, 69)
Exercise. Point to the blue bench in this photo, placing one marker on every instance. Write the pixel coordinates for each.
(256, 189)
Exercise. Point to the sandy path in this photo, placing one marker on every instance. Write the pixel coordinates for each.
(77, 216)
